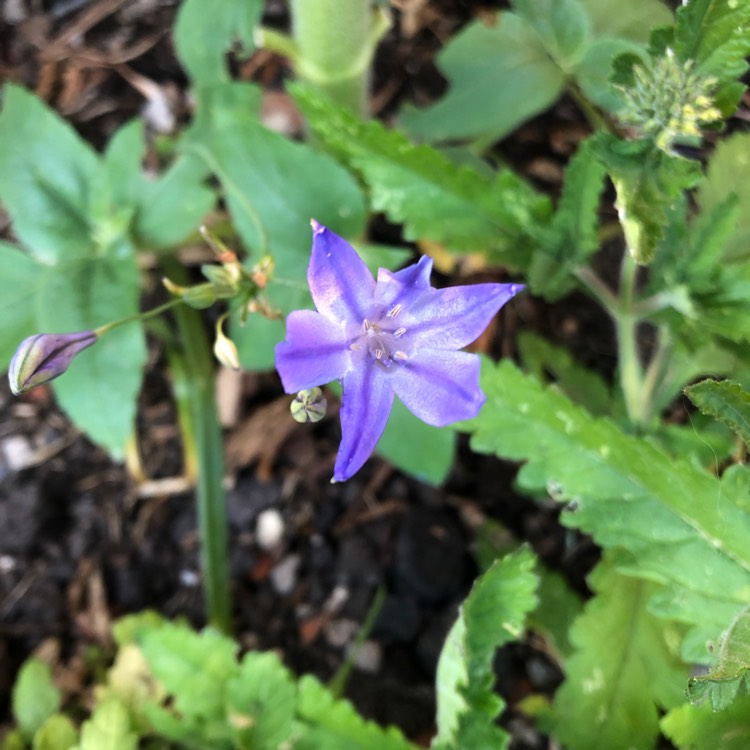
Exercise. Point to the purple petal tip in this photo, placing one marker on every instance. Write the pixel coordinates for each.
(317, 227)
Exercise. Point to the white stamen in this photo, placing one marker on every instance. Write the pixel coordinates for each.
(395, 310)
(400, 355)
(399, 333)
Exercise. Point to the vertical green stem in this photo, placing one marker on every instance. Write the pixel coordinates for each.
(631, 369)
(209, 450)
(334, 44)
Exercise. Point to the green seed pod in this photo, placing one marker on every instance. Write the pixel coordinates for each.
(309, 406)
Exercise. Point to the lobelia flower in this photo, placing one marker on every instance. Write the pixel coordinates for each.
(44, 356)
(394, 336)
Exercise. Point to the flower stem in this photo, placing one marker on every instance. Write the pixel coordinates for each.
(208, 446)
(335, 42)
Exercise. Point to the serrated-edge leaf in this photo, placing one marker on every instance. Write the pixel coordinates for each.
(702, 728)
(493, 614)
(418, 186)
(724, 400)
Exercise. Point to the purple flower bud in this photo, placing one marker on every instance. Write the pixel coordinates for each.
(43, 356)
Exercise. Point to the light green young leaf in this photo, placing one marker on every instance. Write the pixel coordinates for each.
(193, 667)
(621, 672)
(729, 172)
(330, 724)
(203, 38)
(724, 400)
(273, 189)
(499, 77)
(45, 180)
(20, 277)
(573, 237)
(493, 614)
(702, 728)
(261, 702)
(668, 521)
(436, 199)
(57, 733)
(35, 697)
(730, 677)
(583, 386)
(109, 728)
(100, 388)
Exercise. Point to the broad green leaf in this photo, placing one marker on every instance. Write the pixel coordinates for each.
(668, 521)
(20, 276)
(493, 614)
(45, 180)
(729, 172)
(583, 386)
(622, 670)
(273, 188)
(57, 733)
(419, 187)
(100, 388)
(701, 728)
(330, 724)
(499, 77)
(730, 676)
(558, 606)
(573, 237)
(725, 400)
(562, 25)
(35, 696)
(632, 21)
(193, 667)
(109, 728)
(261, 702)
(203, 37)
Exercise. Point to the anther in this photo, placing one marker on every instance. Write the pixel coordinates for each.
(379, 354)
(400, 355)
(399, 333)
(355, 347)
(367, 325)
(394, 311)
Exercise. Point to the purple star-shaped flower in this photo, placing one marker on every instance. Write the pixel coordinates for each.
(397, 335)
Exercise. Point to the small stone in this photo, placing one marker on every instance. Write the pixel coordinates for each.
(269, 529)
(340, 633)
(284, 575)
(368, 657)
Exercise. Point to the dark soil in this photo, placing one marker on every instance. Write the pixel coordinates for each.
(83, 542)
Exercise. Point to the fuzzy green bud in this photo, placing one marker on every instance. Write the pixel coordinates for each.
(45, 356)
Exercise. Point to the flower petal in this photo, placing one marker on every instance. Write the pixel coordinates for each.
(365, 407)
(439, 387)
(452, 318)
(341, 285)
(315, 351)
(392, 287)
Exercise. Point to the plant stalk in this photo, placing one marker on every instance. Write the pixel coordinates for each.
(207, 443)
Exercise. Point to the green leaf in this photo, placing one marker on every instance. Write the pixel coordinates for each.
(193, 667)
(57, 733)
(621, 672)
(724, 400)
(434, 198)
(100, 388)
(109, 728)
(587, 388)
(331, 724)
(20, 277)
(716, 34)
(558, 606)
(203, 38)
(573, 237)
(668, 521)
(35, 696)
(730, 676)
(633, 20)
(729, 172)
(702, 728)
(562, 25)
(261, 701)
(499, 77)
(273, 189)
(493, 614)
(45, 180)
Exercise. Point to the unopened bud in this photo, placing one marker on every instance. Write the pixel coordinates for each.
(44, 356)
(309, 406)
(199, 297)
(224, 348)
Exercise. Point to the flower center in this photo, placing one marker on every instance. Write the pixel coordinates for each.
(380, 339)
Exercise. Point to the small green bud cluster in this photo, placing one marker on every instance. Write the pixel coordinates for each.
(309, 406)
(669, 101)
